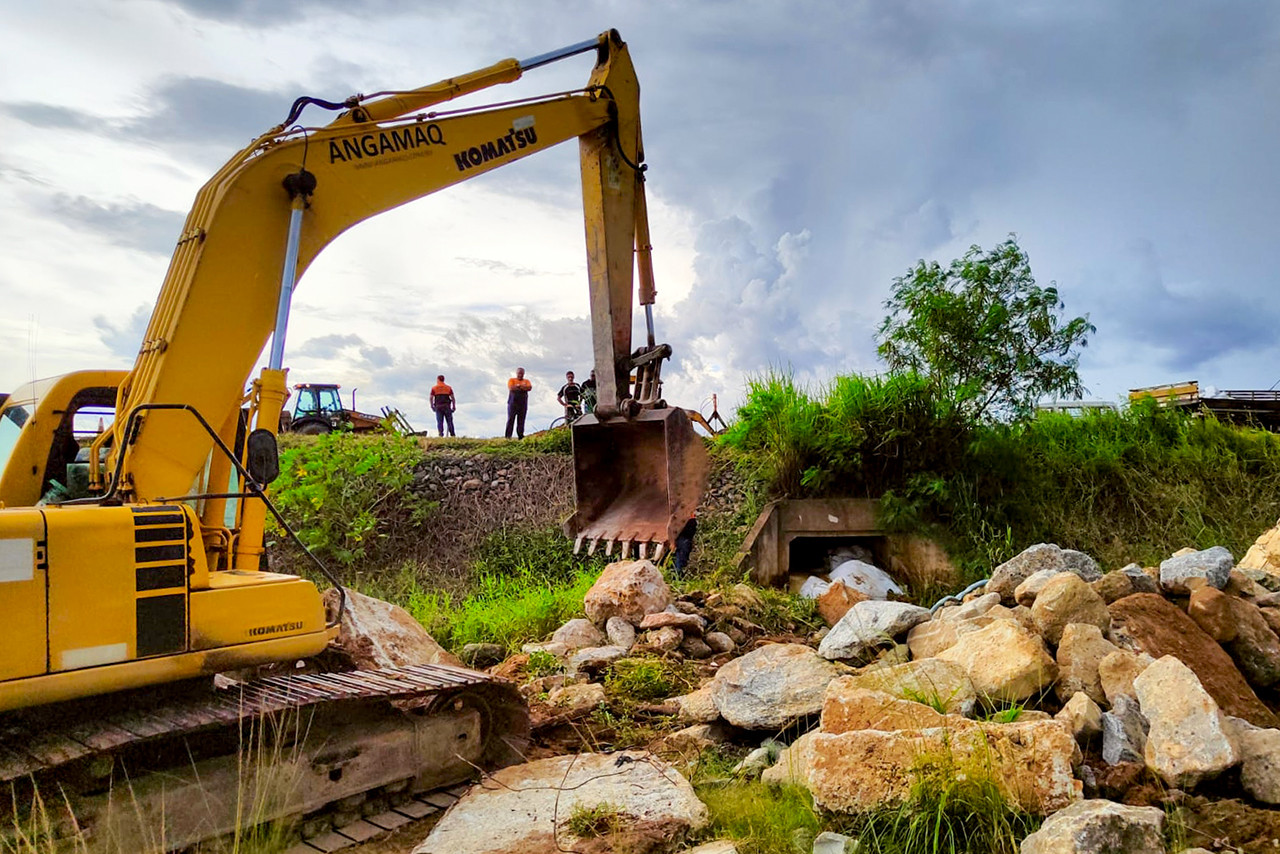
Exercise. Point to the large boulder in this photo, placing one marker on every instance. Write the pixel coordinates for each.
(1030, 763)
(1011, 573)
(376, 635)
(1083, 716)
(1149, 623)
(578, 634)
(938, 683)
(526, 808)
(869, 626)
(1066, 598)
(1080, 651)
(1259, 759)
(1004, 661)
(1124, 732)
(773, 686)
(848, 708)
(1117, 670)
(1180, 573)
(630, 589)
(1188, 741)
(1099, 827)
(1262, 561)
(837, 600)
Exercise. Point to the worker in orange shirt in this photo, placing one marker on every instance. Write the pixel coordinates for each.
(518, 389)
(444, 403)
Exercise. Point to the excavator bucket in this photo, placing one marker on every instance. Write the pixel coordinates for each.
(636, 481)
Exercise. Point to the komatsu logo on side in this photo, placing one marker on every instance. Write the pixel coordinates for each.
(384, 142)
(514, 140)
(259, 631)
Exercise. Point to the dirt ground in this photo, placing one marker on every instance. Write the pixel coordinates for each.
(1229, 825)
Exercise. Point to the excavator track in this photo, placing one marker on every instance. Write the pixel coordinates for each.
(200, 764)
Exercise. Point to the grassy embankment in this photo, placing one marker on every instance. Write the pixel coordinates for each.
(1121, 486)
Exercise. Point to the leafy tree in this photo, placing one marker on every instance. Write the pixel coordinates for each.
(983, 329)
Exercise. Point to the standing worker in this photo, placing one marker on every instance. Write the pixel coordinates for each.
(444, 403)
(589, 393)
(570, 397)
(684, 544)
(518, 389)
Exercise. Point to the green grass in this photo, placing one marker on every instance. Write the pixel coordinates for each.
(543, 442)
(759, 818)
(946, 814)
(594, 822)
(646, 680)
(543, 664)
(1132, 485)
(509, 609)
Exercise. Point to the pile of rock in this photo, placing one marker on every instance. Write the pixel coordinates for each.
(1056, 683)
(631, 610)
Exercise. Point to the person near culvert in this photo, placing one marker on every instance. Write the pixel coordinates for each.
(570, 397)
(589, 393)
(443, 403)
(518, 389)
(684, 544)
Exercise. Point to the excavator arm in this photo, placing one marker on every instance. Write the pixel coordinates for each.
(262, 219)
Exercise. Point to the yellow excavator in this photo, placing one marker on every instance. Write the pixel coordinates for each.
(120, 606)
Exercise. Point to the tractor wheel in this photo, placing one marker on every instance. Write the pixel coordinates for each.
(313, 428)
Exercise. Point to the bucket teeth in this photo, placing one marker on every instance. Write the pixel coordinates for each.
(608, 549)
(625, 554)
(657, 552)
(640, 549)
(577, 544)
(591, 549)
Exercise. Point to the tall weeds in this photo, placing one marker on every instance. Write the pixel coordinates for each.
(1132, 485)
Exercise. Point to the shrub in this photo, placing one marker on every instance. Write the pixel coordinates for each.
(950, 809)
(348, 496)
(1121, 486)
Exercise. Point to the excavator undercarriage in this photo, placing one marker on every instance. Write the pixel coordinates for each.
(192, 763)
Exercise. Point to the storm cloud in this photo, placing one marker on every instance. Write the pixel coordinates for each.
(810, 152)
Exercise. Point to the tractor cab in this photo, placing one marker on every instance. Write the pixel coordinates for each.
(317, 409)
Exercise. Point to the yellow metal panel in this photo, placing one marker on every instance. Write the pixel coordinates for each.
(241, 608)
(92, 586)
(1172, 391)
(22, 594)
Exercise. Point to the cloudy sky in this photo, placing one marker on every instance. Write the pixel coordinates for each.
(801, 155)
